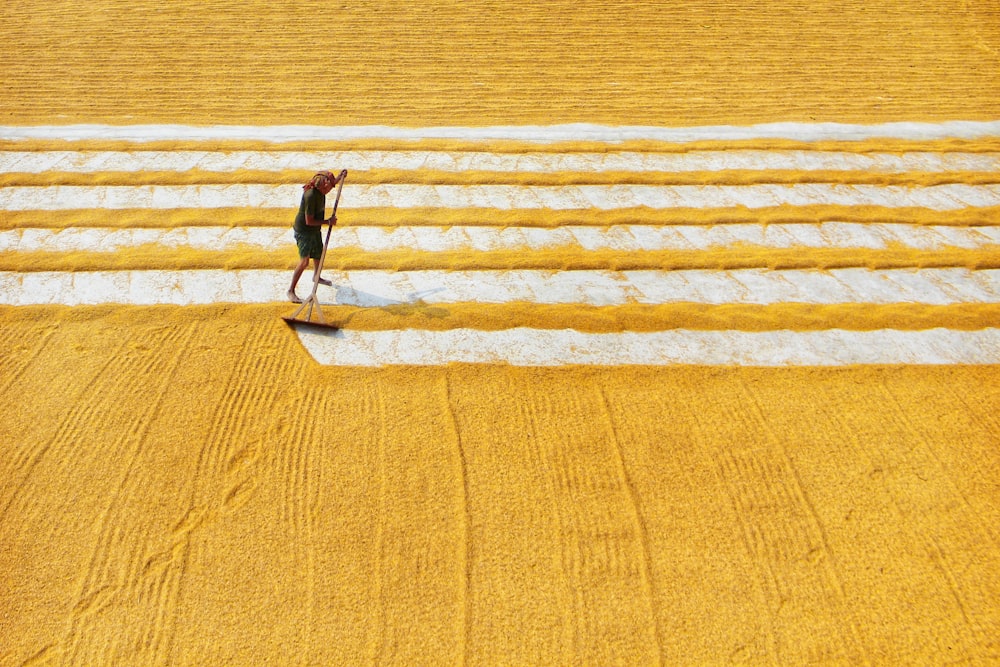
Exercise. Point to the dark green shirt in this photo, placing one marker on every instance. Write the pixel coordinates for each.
(313, 202)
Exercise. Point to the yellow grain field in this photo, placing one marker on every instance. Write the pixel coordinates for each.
(187, 485)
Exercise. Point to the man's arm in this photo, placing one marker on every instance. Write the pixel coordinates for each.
(313, 222)
(310, 220)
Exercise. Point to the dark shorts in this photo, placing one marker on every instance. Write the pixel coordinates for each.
(310, 243)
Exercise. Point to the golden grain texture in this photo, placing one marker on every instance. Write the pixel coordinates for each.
(185, 486)
(193, 490)
(490, 62)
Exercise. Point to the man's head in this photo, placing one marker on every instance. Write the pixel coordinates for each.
(322, 181)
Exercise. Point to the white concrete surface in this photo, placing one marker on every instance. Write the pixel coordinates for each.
(536, 347)
(598, 288)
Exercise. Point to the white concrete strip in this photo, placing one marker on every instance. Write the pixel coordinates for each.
(502, 197)
(958, 129)
(620, 238)
(88, 162)
(536, 347)
(599, 288)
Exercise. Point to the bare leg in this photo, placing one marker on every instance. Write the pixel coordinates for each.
(322, 281)
(292, 296)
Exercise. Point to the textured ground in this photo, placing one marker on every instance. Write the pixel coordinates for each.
(500, 62)
(185, 484)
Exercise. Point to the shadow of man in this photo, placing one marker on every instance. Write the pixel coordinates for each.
(413, 305)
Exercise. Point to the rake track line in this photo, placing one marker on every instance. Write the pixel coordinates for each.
(295, 466)
(299, 504)
(932, 460)
(381, 639)
(639, 522)
(766, 579)
(812, 525)
(904, 504)
(102, 582)
(59, 445)
(955, 565)
(602, 561)
(462, 457)
(535, 413)
(211, 488)
(19, 364)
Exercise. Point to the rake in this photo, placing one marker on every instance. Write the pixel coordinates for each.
(311, 304)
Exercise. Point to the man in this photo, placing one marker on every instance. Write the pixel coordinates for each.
(308, 235)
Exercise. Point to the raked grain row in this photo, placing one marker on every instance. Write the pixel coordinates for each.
(621, 238)
(951, 197)
(93, 161)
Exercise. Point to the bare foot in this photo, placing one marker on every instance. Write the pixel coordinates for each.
(293, 297)
(324, 281)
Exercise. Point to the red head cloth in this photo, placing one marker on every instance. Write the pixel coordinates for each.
(319, 180)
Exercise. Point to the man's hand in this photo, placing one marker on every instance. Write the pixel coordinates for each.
(331, 221)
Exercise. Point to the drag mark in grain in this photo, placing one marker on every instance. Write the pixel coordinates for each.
(161, 574)
(295, 465)
(536, 414)
(768, 601)
(381, 641)
(210, 490)
(536, 460)
(886, 470)
(44, 656)
(19, 363)
(110, 577)
(467, 536)
(983, 415)
(781, 544)
(233, 450)
(26, 460)
(907, 423)
(601, 555)
(742, 474)
(812, 524)
(937, 557)
(298, 474)
(957, 566)
(639, 523)
(90, 401)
